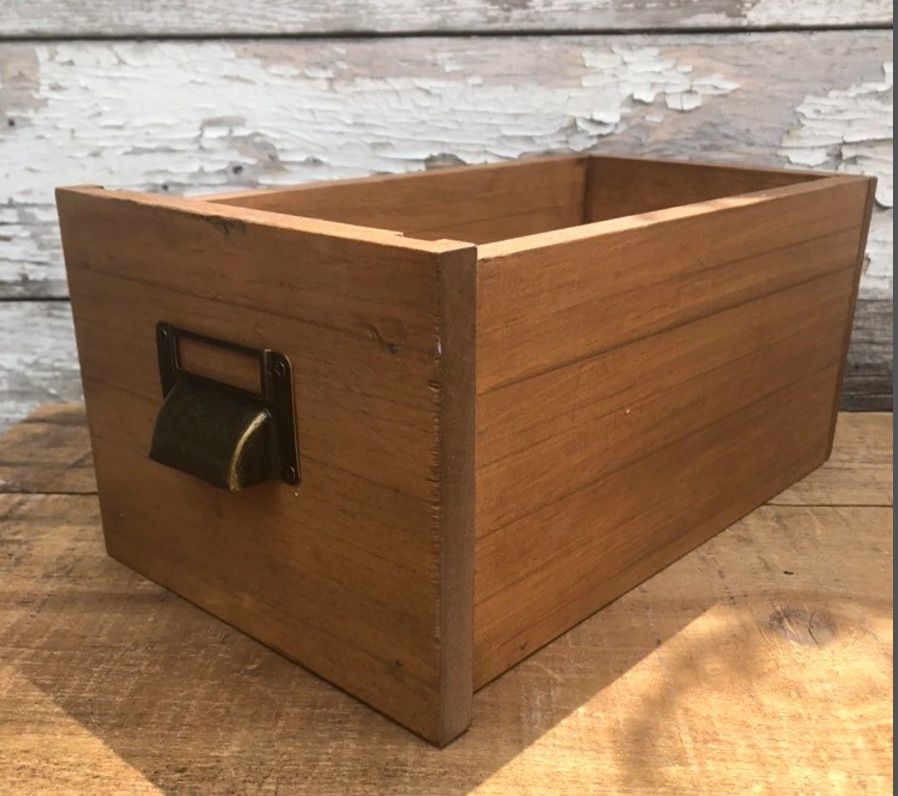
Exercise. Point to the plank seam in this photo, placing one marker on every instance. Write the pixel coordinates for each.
(671, 327)
(774, 502)
(760, 397)
(45, 493)
(358, 335)
(431, 33)
(487, 598)
(427, 501)
(667, 390)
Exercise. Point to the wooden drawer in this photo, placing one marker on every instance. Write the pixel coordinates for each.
(517, 391)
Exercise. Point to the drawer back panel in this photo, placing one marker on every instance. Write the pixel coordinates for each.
(486, 203)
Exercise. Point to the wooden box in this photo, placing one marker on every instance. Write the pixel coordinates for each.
(519, 391)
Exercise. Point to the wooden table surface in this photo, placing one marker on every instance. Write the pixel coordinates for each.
(760, 663)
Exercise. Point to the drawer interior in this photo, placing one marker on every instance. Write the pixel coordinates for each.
(492, 203)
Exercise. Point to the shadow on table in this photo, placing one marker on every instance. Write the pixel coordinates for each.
(196, 706)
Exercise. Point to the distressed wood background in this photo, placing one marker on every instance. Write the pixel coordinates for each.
(187, 96)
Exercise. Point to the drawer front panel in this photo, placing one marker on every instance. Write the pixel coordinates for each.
(359, 570)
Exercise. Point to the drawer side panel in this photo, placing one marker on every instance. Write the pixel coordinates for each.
(666, 391)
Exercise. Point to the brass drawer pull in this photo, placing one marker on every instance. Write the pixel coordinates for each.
(229, 436)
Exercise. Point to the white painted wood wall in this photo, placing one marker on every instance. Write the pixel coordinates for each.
(191, 95)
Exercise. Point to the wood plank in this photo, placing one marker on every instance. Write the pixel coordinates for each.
(762, 659)
(540, 408)
(617, 281)
(38, 360)
(47, 452)
(477, 205)
(488, 204)
(510, 200)
(574, 511)
(346, 572)
(542, 574)
(626, 186)
(868, 377)
(281, 18)
(546, 437)
(456, 448)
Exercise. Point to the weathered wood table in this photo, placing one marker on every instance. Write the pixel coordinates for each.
(760, 663)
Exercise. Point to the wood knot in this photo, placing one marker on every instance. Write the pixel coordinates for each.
(374, 334)
(226, 226)
(808, 628)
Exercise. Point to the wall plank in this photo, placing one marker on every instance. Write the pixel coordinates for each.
(284, 17)
(38, 361)
(272, 112)
(868, 378)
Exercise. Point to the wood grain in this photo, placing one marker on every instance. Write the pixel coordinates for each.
(760, 661)
(868, 376)
(619, 280)
(282, 18)
(486, 204)
(645, 381)
(456, 449)
(546, 437)
(858, 473)
(555, 566)
(625, 186)
(346, 573)
(48, 452)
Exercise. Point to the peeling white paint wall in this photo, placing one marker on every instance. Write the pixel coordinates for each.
(188, 117)
(850, 130)
(165, 113)
(763, 13)
(787, 13)
(196, 117)
(38, 363)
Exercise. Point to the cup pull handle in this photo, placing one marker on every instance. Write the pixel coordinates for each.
(226, 435)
